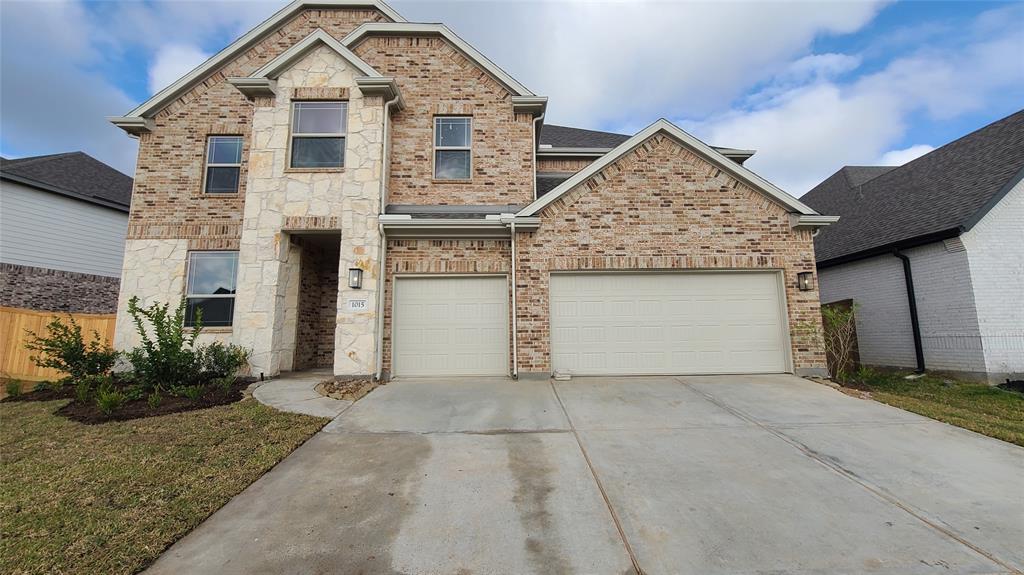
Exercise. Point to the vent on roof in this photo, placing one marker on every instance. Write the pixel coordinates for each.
(954, 245)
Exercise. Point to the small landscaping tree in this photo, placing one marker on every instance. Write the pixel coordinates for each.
(166, 356)
(64, 348)
(840, 326)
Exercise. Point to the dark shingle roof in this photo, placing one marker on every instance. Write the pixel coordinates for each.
(549, 181)
(565, 137)
(942, 193)
(73, 174)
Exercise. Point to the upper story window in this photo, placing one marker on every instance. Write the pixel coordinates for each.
(318, 134)
(211, 288)
(223, 164)
(452, 148)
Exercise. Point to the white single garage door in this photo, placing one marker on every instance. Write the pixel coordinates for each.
(450, 326)
(667, 323)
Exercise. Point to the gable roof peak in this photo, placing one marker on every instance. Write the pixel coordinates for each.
(299, 50)
(685, 139)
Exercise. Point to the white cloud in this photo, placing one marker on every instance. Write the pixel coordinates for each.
(625, 64)
(900, 157)
(805, 132)
(48, 103)
(172, 62)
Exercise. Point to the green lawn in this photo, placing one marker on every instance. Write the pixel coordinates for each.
(975, 406)
(110, 498)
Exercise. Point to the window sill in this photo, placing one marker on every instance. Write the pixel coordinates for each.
(221, 194)
(218, 329)
(439, 181)
(314, 170)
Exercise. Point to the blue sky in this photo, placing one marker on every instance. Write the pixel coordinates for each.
(812, 86)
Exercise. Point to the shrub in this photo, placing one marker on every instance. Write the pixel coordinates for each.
(154, 400)
(167, 354)
(13, 388)
(41, 386)
(225, 383)
(87, 385)
(109, 399)
(64, 349)
(223, 360)
(840, 338)
(191, 392)
(83, 390)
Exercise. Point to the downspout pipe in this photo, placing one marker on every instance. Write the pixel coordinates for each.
(515, 323)
(915, 325)
(382, 275)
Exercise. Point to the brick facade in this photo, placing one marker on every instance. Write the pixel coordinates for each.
(168, 201)
(661, 207)
(435, 79)
(406, 257)
(44, 289)
(563, 165)
(317, 309)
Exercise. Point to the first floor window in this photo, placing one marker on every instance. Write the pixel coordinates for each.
(210, 288)
(318, 134)
(452, 149)
(223, 164)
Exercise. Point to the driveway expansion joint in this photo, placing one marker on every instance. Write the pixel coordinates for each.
(875, 490)
(600, 487)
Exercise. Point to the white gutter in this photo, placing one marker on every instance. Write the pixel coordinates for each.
(382, 275)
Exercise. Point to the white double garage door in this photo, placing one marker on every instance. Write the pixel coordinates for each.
(623, 323)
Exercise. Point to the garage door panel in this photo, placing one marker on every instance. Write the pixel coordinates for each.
(623, 323)
(450, 326)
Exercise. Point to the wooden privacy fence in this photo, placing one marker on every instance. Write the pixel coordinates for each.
(14, 322)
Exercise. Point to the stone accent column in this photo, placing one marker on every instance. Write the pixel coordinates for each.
(282, 201)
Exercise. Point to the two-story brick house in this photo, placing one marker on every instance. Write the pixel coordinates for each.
(340, 187)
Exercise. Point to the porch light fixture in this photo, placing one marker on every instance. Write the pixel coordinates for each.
(803, 281)
(355, 278)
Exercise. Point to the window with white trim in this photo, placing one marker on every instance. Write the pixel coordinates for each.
(223, 164)
(318, 134)
(453, 147)
(210, 289)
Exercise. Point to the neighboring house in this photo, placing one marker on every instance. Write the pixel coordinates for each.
(63, 219)
(947, 228)
(343, 188)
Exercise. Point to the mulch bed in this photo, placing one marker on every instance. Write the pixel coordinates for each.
(1015, 385)
(89, 413)
(352, 389)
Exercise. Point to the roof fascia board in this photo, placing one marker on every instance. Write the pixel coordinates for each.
(62, 192)
(406, 29)
(889, 247)
(254, 87)
(383, 86)
(133, 125)
(534, 105)
(811, 221)
(297, 51)
(709, 153)
(730, 153)
(153, 105)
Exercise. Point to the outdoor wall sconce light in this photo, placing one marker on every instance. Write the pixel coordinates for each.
(355, 278)
(803, 281)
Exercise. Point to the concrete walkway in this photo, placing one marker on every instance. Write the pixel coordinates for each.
(296, 392)
(702, 475)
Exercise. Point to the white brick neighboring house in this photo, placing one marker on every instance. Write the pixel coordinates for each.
(957, 215)
(63, 219)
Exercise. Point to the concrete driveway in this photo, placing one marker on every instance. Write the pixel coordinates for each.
(702, 475)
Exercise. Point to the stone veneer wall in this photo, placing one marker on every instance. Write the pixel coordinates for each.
(436, 79)
(282, 200)
(663, 207)
(45, 289)
(168, 201)
(155, 271)
(407, 257)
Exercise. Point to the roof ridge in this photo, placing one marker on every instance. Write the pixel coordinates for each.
(33, 159)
